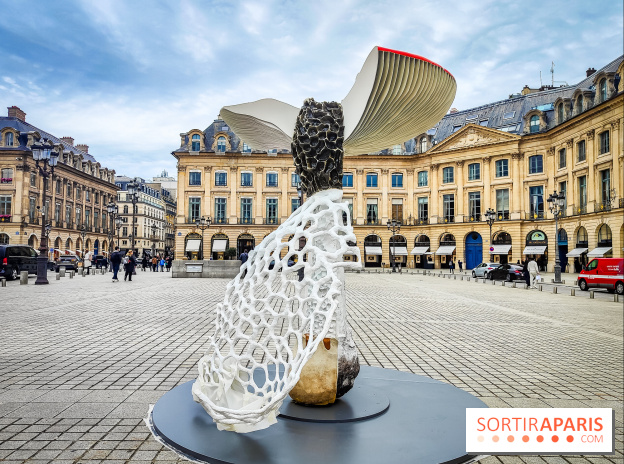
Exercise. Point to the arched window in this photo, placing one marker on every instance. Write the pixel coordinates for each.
(4, 239)
(534, 124)
(221, 144)
(579, 104)
(562, 236)
(195, 142)
(603, 90)
(560, 113)
(423, 144)
(581, 237)
(8, 139)
(605, 238)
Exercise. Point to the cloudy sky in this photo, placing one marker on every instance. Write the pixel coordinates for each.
(126, 77)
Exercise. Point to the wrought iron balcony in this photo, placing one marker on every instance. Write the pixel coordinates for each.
(5, 218)
(219, 220)
(421, 221)
(447, 219)
(372, 222)
(603, 206)
(246, 220)
(472, 218)
(578, 210)
(536, 215)
(503, 216)
(271, 221)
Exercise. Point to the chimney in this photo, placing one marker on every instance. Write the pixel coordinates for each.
(15, 112)
(68, 140)
(590, 71)
(83, 147)
(453, 110)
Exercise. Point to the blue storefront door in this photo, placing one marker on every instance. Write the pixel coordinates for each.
(474, 250)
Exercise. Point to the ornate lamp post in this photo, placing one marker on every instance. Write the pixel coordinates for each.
(556, 203)
(490, 217)
(83, 234)
(42, 153)
(394, 226)
(153, 240)
(112, 214)
(118, 223)
(133, 188)
(202, 223)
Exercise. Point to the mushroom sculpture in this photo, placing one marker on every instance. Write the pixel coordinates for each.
(282, 327)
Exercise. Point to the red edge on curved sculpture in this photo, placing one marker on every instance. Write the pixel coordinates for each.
(382, 49)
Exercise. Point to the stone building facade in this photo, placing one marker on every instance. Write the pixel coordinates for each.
(509, 156)
(75, 196)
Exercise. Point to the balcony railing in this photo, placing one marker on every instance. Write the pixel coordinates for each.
(58, 224)
(472, 218)
(447, 219)
(220, 183)
(372, 222)
(271, 221)
(535, 215)
(503, 216)
(246, 220)
(421, 221)
(603, 206)
(578, 210)
(220, 220)
(5, 218)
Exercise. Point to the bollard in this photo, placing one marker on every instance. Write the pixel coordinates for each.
(71, 274)
(82, 272)
(555, 289)
(61, 271)
(58, 276)
(454, 277)
(484, 280)
(468, 279)
(503, 283)
(591, 294)
(572, 292)
(526, 287)
(616, 297)
(513, 285)
(540, 287)
(24, 278)
(3, 280)
(493, 282)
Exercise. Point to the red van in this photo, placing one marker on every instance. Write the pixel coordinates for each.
(603, 273)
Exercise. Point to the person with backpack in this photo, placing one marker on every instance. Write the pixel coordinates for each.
(129, 265)
(116, 262)
(243, 256)
(161, 263)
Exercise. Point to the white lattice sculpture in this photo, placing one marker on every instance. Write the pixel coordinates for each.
(268, 309)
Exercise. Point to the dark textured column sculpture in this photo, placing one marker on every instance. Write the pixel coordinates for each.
(317, 146)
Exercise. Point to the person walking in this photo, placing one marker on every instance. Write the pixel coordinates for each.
(452, 267)
(154, 263)
(525, 273)
(116, 262)
(243, 256)
(130, 265)
(161, 263)
(533, 269)
(168, 263)
(461, 265)
(144, 262)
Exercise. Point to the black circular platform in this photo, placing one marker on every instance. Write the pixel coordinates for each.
(424, 423)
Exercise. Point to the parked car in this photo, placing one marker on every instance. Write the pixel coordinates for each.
(97, 261)
(483, 269)
(69, 261)
(506, 272)
(17, 258)
(603, 273)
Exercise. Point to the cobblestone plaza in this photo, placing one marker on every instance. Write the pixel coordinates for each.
(81, 359)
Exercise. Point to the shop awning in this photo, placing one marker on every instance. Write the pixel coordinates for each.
(501, 249)
(398, 250)
(576, 252)
(419, 250)
(193, 245)
(370, 250)
(219, 246)
(598, 252)
(534, 250)
(445, 250)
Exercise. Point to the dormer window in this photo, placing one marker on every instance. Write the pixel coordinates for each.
(423, 145)
(579, 104)
(8, 139)
(534, 124)
(603, 90)
(195, 142)
(560, 113)
(221, 144)
(246, 148)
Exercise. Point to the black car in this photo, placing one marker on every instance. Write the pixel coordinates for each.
(69, 261)
(17, 258)
(506, 272)
(98, 260)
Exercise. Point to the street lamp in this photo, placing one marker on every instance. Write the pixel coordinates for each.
(112, 214)
(394, 226)
(83, 234)
(202, 223)
(42, 152)
(556, 202)
(133, 188)
(118, 223)
(490, 217)
(153, 240)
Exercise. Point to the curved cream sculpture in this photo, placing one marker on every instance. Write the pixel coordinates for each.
(395, 96)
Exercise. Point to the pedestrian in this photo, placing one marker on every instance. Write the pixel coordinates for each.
(452, 267)
(243, 256)
(533, 269)
(86, 263)
(154, 263)
(116, 262)
(461, 265)
(144, 262)
(168, 263)
(161, 263)
(525, 272)
(129, 265)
